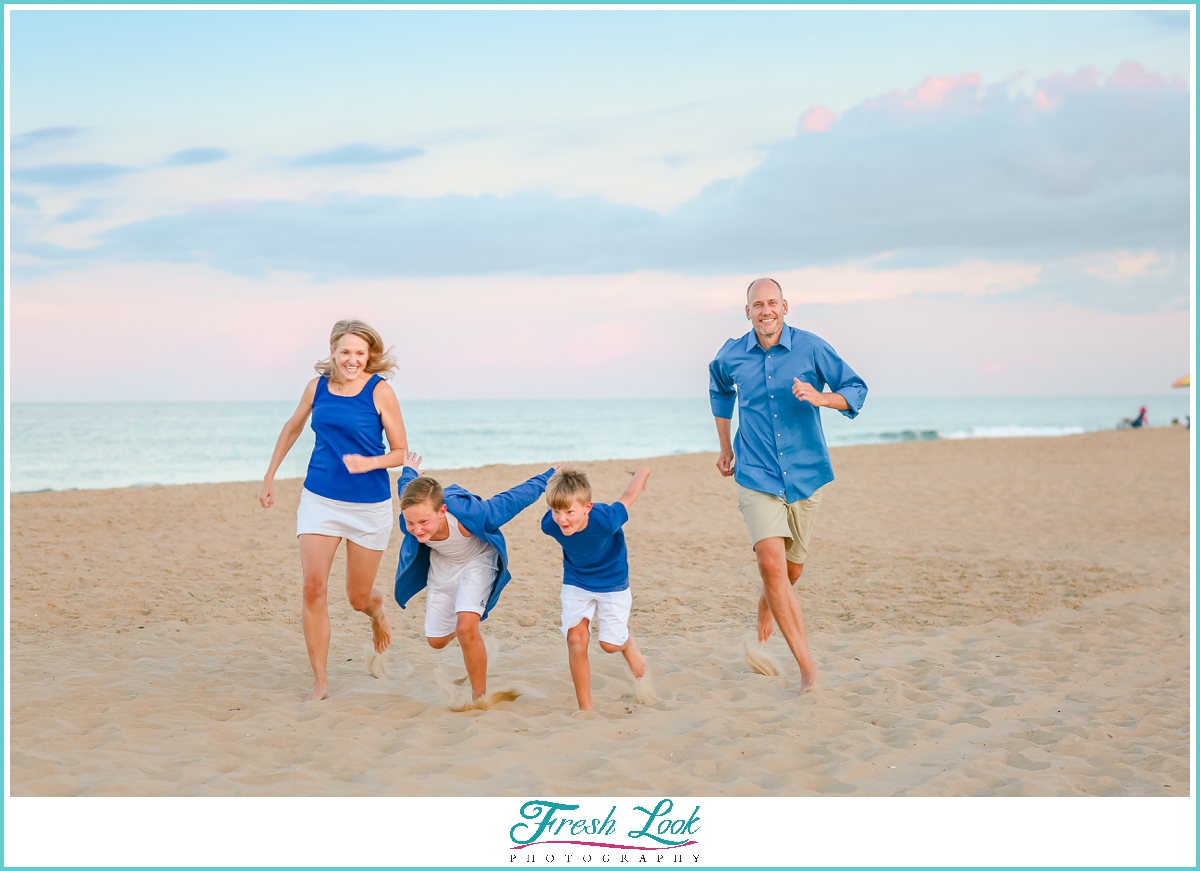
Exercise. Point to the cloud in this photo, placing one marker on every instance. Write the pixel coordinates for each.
(19, 200)
(196, 156)
(85, 210)
(358, 154)
(69, 174)
(44, 136)
(947, 171)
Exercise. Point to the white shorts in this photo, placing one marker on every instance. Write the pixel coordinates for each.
(608, 613)
(368, 524)
(468, 590)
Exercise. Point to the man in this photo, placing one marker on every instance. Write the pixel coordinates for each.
(776, 375)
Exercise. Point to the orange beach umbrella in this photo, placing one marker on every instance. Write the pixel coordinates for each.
(1185, 381)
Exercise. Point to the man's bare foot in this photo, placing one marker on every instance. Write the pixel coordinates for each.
(766, 621)
(319, 691)
(380, 631)
(809, 682)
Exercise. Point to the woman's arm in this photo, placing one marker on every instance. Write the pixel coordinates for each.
(287, 437)
(393, 425)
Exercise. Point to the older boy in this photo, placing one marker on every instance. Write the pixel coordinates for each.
(595, 572)
(453, 547)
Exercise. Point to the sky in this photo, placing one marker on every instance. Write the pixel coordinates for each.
(571, 203)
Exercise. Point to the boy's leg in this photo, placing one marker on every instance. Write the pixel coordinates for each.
(612, 627)
(633, 656)
(316, 558)
(361, 567)
(578, 637)
(772, 565)
(474, 653)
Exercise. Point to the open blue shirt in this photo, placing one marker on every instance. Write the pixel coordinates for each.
(780, 447)
(594, 558)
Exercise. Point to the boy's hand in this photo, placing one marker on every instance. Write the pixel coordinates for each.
(645, 478)
(413, 461)
(356, 464)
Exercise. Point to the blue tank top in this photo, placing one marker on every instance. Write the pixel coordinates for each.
(346, 425)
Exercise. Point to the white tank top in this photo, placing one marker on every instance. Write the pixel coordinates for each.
(453, 554)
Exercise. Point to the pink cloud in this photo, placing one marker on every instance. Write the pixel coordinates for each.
(1131, 75)
(818, 119)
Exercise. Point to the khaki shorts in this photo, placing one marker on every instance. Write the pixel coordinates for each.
(769, 516)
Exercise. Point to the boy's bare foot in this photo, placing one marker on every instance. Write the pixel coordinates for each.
(637, 663)
(766, 621)
(809, 682)
(381, 633)
(319, 691)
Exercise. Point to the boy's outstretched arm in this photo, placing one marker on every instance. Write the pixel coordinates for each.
(503, 507)
(636, 486)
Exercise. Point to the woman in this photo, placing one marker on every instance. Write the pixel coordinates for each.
(347, 493)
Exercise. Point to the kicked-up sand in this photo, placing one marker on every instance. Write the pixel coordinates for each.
(990, 617)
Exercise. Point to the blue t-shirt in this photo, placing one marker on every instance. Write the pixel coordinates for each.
(594, 558)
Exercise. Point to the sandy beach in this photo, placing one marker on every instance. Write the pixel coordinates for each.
(990, 617)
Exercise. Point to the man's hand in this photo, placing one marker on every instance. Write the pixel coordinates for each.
(413, 461)
(805, 392)
(725, 463)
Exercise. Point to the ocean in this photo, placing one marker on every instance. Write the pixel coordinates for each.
(62, 446)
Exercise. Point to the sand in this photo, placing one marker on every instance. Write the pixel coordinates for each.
(990, 617)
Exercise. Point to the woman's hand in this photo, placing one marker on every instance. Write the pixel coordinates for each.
(267, 497)
(356, 464)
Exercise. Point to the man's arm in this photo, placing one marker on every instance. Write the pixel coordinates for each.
(725, 460)
(722, 397)
(636, 486)
(849, 391)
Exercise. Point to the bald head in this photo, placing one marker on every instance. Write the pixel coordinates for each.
(770, 283)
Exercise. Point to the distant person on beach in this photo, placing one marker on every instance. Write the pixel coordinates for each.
(595, 591)
(775, 375)
(1142, 419)
(347, 493)
(453, 548)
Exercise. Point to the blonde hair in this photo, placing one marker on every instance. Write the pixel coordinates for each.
(378, 359)
(566, 487)
(424, 489)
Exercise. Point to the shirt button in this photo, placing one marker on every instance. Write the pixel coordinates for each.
(775, 415)
(785, 473)
(778, 435)
(781, 453)
(772, 395)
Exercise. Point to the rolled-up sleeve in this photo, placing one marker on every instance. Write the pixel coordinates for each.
(722, 393)
(841, 378)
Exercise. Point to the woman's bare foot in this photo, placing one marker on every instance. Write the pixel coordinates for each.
(380, 631)
(766, 621)
(319, 691)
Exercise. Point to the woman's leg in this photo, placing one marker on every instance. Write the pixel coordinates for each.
(361, 567)
(316, 558)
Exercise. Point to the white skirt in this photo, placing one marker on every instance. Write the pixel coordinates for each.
(367, 524)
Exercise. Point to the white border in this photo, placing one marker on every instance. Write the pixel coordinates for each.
(472, 831)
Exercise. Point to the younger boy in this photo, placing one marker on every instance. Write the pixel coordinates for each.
(595, 572)
(453, 547)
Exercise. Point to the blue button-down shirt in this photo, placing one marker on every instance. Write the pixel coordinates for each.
(780, 447)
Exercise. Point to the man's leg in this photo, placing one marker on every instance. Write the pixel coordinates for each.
(785, 607)
(474, 653)
(766, 623)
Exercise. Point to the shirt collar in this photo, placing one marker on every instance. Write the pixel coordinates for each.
(785, 339)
